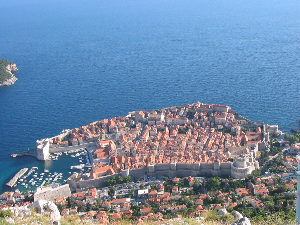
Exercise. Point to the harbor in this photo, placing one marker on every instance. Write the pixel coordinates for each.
(55, 169)
(14, 180)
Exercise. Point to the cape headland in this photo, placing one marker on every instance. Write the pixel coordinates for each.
(7, 69)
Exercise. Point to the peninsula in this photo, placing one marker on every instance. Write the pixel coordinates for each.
(7, 69)
(195, 139)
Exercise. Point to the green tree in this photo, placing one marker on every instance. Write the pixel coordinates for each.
(71, 202)
(135, 210)
(111, 192)
(120, 180)
(213, 184)
(191, 113)
(131, 195)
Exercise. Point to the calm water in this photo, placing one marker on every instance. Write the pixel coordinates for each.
(82, 61)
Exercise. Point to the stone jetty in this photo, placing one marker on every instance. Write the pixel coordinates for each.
(12, 182)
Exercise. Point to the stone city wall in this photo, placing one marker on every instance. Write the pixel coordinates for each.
(50, 194)
(95, 183)
(169, 170)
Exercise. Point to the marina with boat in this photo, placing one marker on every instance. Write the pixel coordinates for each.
(30, 179)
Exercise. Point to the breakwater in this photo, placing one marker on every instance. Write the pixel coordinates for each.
(12, 182)
(33, 154)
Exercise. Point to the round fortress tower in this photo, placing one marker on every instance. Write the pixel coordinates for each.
(240, 162)
(243, 166)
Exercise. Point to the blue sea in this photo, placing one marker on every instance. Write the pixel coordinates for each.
(82, 61)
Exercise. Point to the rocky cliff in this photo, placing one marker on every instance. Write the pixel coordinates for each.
(7, 75)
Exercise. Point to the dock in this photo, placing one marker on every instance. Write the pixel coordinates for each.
(12, 182)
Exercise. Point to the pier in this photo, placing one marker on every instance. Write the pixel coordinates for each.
(12, 182)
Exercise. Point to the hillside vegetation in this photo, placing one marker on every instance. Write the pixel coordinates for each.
(4, 75)
(208, 219)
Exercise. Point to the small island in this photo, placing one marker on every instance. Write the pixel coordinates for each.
(7, 69)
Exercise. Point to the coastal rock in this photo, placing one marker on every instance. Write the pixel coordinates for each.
(10, 81)
(10, 68)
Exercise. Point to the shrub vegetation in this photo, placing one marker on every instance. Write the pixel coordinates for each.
(3, 74)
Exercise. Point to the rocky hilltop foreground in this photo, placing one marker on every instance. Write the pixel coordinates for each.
(6, 72)
(44, 212)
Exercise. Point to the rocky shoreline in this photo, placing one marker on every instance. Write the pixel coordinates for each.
(10, 69)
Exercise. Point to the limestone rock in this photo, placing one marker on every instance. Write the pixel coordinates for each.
(10, 220)
(222, 212)
(242, 221)
(19, 211)
(22, 211)
(237, 214)
(41, 205)
(55, 214)
(10, 81)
